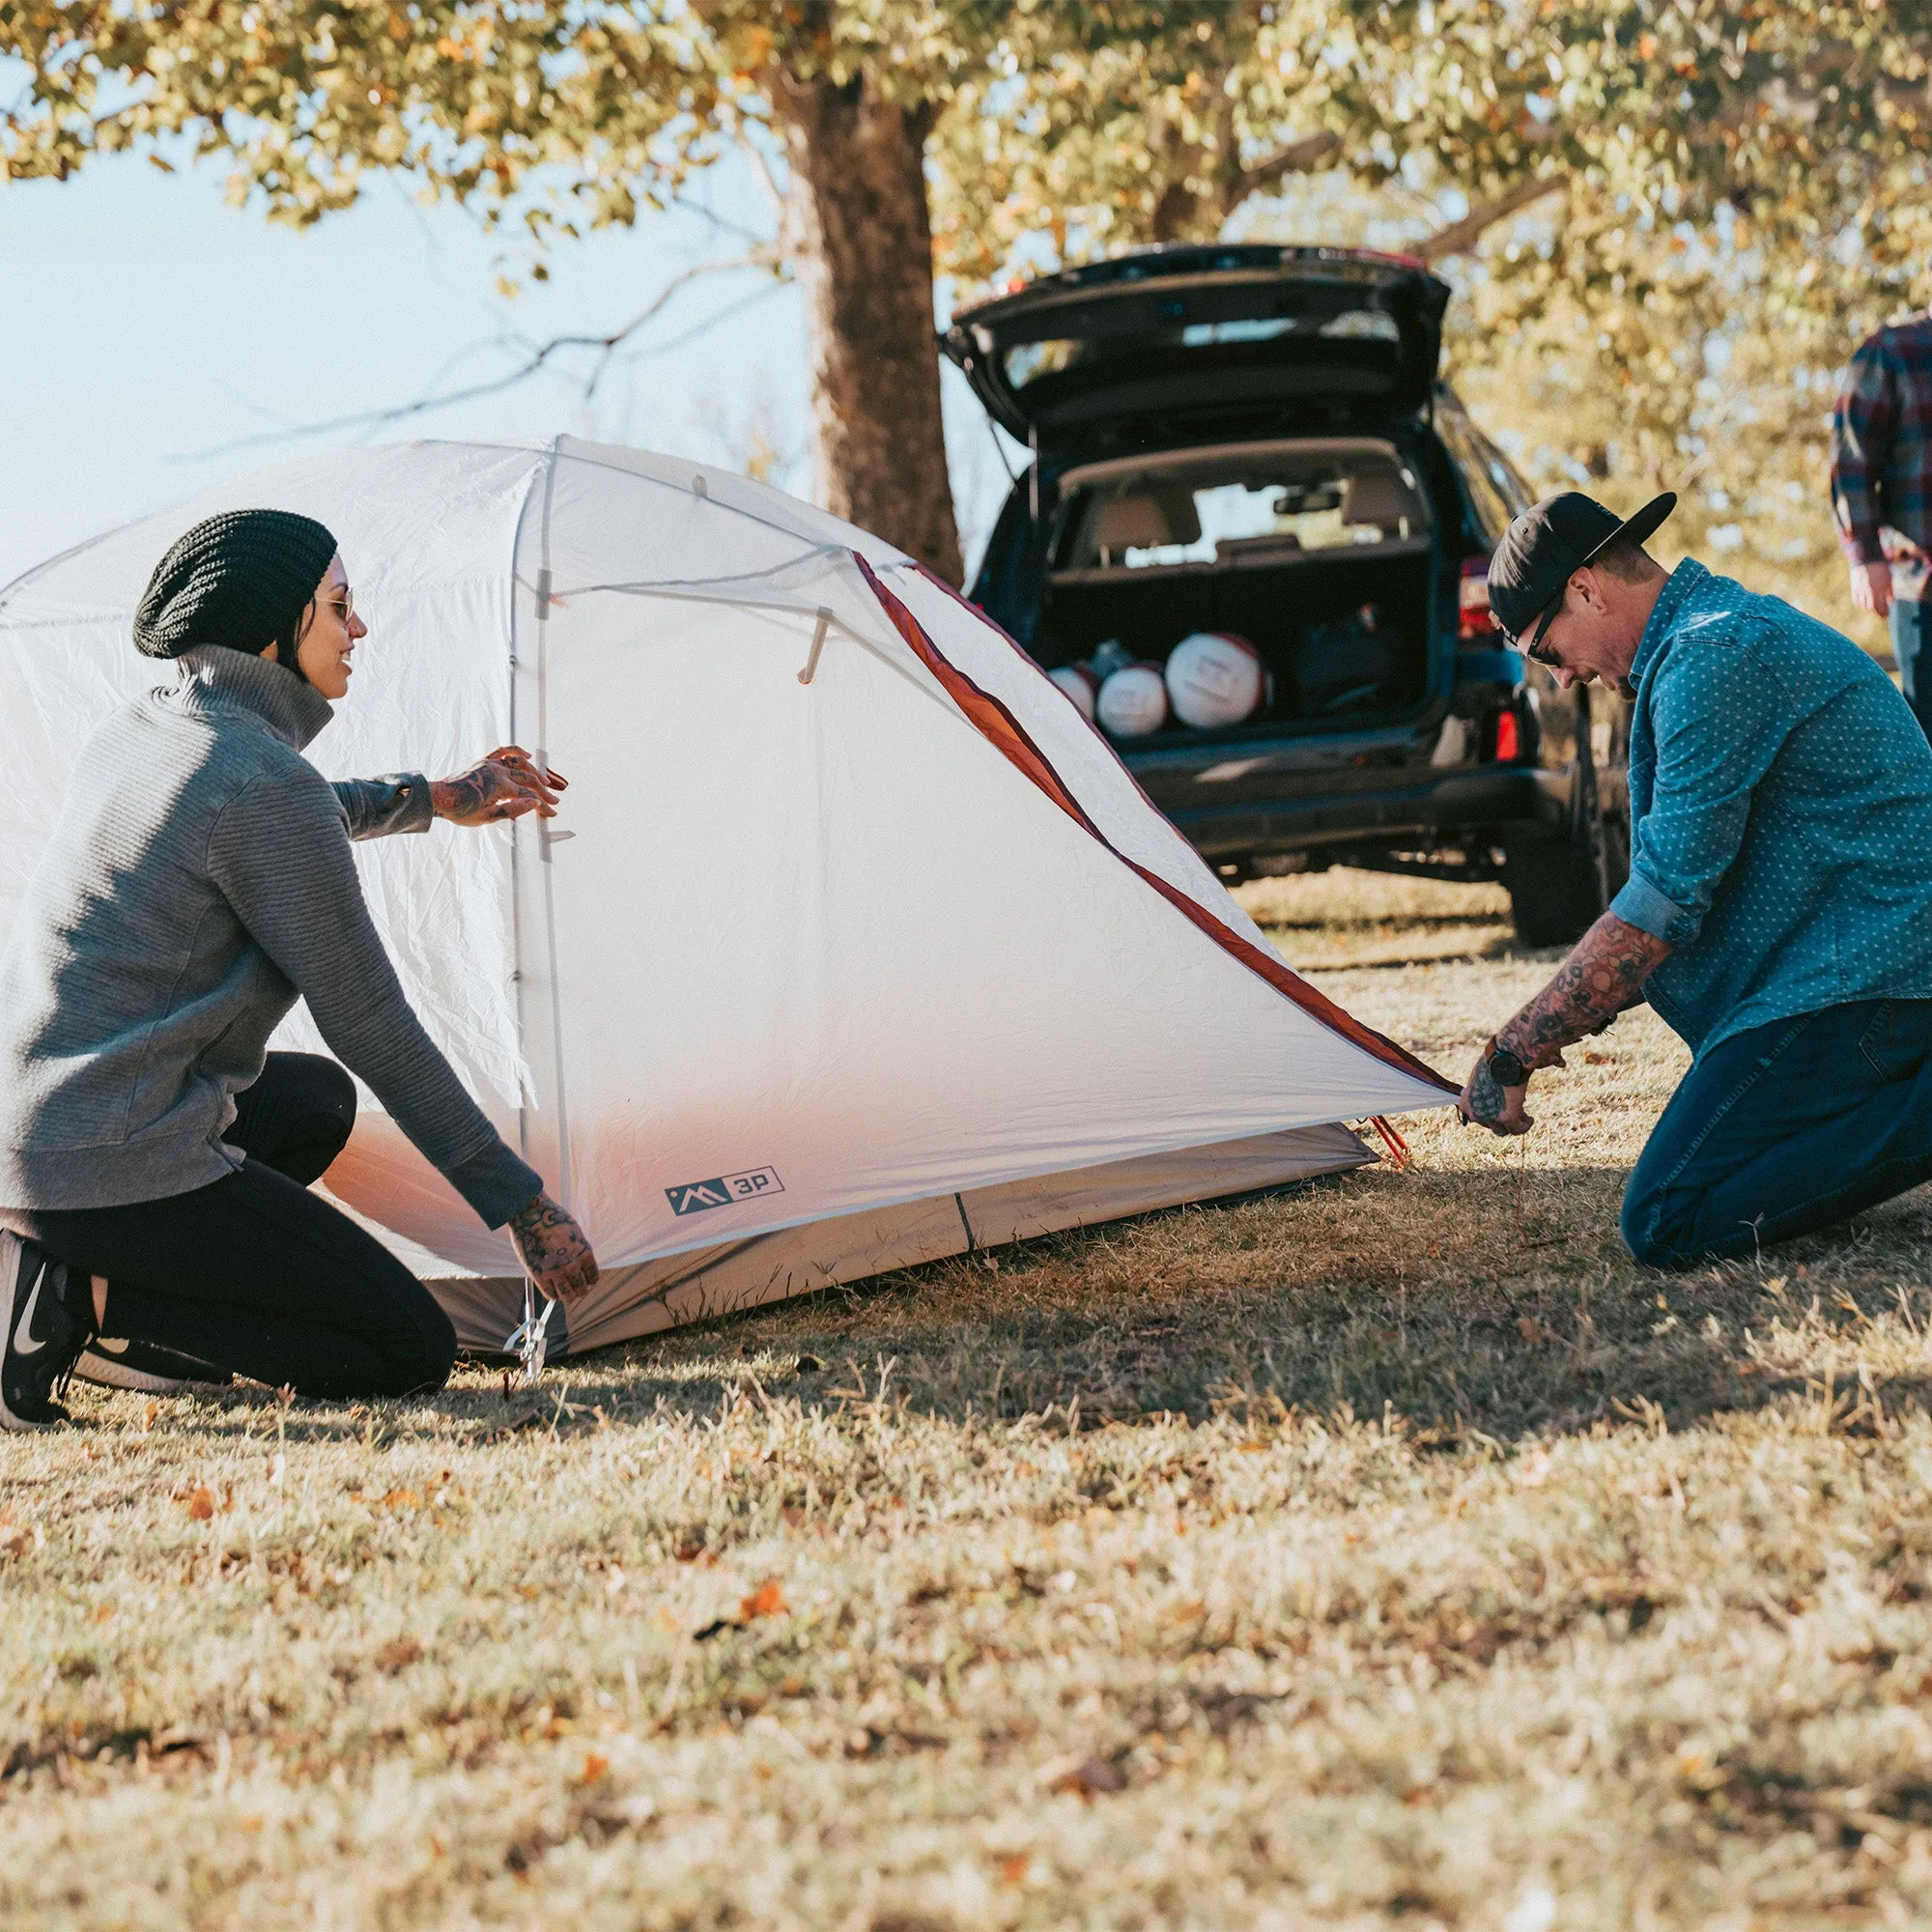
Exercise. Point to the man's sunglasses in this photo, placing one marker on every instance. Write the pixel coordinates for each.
(1536, 650)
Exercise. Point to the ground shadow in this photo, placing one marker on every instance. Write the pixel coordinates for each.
(1526, 1318)
(1468, 1303)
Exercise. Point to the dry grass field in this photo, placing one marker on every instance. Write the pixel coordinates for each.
(1397, 1554)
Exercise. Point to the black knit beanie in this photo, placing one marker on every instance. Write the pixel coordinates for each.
(243, 578)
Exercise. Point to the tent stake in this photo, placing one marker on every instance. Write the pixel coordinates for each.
(529, 1339)
(817, 644)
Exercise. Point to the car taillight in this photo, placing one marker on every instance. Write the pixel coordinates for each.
(1509, 738)
(1474, 618)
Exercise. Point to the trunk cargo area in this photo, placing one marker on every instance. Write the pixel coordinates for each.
(1316, 553)
(1344, 635)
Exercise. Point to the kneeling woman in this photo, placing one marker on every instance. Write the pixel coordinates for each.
(154, 1156)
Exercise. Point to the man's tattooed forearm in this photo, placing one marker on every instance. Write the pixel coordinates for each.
(1600, 979)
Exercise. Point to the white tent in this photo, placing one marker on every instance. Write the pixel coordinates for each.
(854, 945)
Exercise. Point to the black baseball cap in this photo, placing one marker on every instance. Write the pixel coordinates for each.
(1546, 544)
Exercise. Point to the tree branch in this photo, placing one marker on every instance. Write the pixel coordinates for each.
(1290, 160)
(1460, 235)
(605, 346)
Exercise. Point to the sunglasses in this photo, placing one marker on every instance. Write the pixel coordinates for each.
(1536, 650)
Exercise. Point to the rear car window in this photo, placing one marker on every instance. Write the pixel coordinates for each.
(1029, 361)
(1246, 511)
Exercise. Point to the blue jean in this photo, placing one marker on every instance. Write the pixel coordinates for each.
(1784, 1129)
(1907, 636)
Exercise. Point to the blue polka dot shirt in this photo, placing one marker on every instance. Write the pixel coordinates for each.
(1780, 815)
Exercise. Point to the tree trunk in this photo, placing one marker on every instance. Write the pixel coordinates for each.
(856, 234)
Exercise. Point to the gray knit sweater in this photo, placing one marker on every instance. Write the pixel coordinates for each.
(198, 879)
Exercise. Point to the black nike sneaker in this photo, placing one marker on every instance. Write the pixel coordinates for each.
(146, 1366)
(44, 1334)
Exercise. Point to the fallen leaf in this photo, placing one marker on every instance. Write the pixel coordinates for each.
(1596, 1059)
(398, 1654)
(1532, 1331)
(595, 1765)
(1088, 1776)
(1013, 1868)
(201, 1504)
(766, 1600)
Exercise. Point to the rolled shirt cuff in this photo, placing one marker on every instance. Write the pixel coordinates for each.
(495, 1182)
(414, 808)
(1642, 905)
(377, 808)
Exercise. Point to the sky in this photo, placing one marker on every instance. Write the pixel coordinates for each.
(154, 341)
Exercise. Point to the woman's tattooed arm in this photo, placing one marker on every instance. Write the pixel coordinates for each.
(554, 1249)
(505, 784)
(1600, 979)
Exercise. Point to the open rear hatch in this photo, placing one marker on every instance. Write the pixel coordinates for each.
(1179, 332)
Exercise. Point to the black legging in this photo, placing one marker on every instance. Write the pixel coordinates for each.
(256, 1274)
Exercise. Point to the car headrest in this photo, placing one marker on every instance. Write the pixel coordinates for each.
(1379, 497)
(1146, 520)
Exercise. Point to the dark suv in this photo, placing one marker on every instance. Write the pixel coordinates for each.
(1255, 439)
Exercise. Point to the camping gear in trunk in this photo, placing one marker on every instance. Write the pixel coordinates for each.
(1316, 553)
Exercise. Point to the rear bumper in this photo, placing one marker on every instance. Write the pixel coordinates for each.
(1452, 805)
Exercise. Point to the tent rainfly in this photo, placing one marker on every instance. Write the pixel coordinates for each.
(854, 945)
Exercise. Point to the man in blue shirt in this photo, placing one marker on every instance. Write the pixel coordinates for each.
(1778, 913)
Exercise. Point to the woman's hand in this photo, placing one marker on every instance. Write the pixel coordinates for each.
(554, 1250)
(505, 784)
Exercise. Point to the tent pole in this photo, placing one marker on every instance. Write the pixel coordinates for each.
(817, 644)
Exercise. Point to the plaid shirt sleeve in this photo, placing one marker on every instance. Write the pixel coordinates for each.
(1861, 437)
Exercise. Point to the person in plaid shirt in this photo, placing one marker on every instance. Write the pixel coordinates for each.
(1881, 489)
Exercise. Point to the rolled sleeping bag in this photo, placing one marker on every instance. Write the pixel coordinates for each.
(1215, 677)
(1133, 702)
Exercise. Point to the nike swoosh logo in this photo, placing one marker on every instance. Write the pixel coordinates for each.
(23, 1335)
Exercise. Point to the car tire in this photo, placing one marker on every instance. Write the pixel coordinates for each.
(1559, 888)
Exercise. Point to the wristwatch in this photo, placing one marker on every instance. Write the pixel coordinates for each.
(1509, 1071)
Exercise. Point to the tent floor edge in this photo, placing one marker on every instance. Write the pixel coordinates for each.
(736, 1277)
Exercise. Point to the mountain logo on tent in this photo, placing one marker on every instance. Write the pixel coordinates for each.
(725, 1190)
